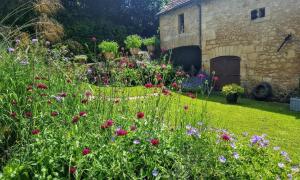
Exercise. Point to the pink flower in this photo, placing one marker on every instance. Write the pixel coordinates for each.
(109, 122)
(72, 170)
(163, 66)
(158, 77)
(140, 115)
(226, 137)
(166, 92)
(82, 114)
(86, 151)
(148, 85)
(35, 132)
(201, 76)
(41, 86)
(175, 85)
(154, 142)
(121, 132)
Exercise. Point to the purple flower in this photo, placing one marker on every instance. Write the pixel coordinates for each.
(155, 172)
(259, 140)
(236, 155)
(136, 141)
(233, 145)
(10, 50)
(191, 131)
(34, 41)
(284, 154)
(18, 41)
(222, 159)
(58, 98)
(295, 169)
(276, 148)
(255, 139)
(281, 165)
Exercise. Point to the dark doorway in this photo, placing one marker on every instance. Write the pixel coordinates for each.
(227, 68)
(188, 57)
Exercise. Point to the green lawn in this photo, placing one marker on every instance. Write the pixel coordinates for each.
(254, 117)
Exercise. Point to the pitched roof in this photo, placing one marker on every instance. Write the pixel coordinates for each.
(174, 4)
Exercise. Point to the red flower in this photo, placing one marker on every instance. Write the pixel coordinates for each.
(160, 85)
(13, 114)
(86, 151)
(75, 119)
(41, 86)
(215, 78)
(148, 85)
(133, 128)
(121, 132)
(35, 132)
(225, 137)
(54, 113)
(175, 85)
(154, 142)
(140, 115)
(72, 170)
(28, 114)
(82, 114)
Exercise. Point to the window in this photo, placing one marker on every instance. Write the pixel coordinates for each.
(258, 13)
(181, 23)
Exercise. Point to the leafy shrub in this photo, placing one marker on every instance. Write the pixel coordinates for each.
(232, 89)
(109, 46)
(133, 41)
(149, 41)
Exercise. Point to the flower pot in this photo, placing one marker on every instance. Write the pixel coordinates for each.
(295, 104)
(134, 51)
(151, 48)
(109, 55)
(232, 98)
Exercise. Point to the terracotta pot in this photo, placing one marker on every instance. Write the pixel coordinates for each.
(151, 48)
(134, 51)
(232, 98)
(109, 55)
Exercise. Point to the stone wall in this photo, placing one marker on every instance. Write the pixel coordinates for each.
(227, 30)
(169, 33)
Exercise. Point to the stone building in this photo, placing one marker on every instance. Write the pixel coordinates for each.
(238, 39)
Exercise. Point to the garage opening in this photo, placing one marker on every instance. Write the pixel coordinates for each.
(227, 68)
(188, 57)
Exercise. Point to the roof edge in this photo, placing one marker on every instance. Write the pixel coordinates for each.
(162, 12)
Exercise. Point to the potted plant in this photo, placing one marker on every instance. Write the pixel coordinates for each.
(109, 49)
(150, 43)
(232, 92)
(133, 43)
(295, 101)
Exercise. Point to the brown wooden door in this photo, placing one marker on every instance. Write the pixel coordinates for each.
(227, 68)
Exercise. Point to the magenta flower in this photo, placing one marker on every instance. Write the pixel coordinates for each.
(82, 114)
(225, 137)
(35, 132)
(121, 132)
(72, 170)
(140, 115)
(86, 151)
(154, 142)
(41, 86)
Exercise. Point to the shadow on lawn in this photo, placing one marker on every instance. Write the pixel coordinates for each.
(275, 107)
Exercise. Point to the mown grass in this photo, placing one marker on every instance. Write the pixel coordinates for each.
(281, 125)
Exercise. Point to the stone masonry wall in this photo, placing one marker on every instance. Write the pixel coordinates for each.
(227, 30)
(170, 37)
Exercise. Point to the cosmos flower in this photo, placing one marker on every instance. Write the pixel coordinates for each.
(225, 137)
(191, 131)
(175, 85)
(121, 132)
(82, 114)
(281, 165)
(140, 115)
(75, 119)
(154, 142)
(148, 85)
(136, 141)
(10, 50)
(86, 151)
(35, 132)
(34, 41)
(236, 155)
(72, 170)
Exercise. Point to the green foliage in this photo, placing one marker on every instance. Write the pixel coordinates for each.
(232, 89)
(109, 46)
(133, 41)
(149, 41)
